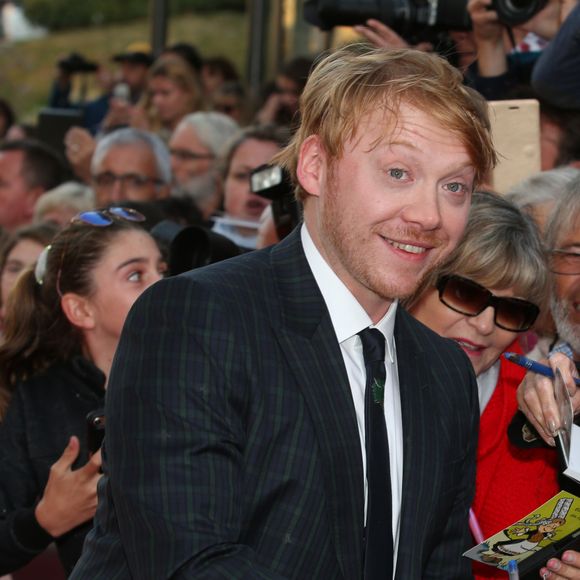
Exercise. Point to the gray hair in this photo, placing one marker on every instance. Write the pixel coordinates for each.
(130, 136)
(71, 194)
(542, 187)
(565, 214)
(213, 129)
(501, 248)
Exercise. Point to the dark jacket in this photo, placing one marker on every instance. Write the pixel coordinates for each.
(232, 447)
(44, 412)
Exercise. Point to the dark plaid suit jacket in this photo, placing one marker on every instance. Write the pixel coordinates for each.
(232, 448)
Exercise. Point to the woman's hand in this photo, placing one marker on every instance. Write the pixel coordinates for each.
(536, 397)
(70, 497)
(567, 568)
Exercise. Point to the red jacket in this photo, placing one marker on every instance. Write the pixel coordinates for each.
(511, 482)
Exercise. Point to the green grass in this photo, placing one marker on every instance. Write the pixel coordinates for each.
(27, 68)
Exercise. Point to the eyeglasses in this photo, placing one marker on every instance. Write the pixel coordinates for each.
(565, 262)
(185, 155)
(130, 180)
(105, 217)
(471, 299)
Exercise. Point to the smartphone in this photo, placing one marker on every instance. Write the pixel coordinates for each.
(95, 430)
(122, 92)
(515, 128)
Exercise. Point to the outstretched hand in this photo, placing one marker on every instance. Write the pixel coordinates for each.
(70, 497)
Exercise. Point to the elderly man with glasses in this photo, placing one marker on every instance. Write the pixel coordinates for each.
(536, 393)
(132, 165)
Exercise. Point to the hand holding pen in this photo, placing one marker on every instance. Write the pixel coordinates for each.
(536, 397)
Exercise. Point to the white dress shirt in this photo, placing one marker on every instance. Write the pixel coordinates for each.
(348, 319)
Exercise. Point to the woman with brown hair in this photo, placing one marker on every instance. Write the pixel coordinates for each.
(173, 91)
(63, 323)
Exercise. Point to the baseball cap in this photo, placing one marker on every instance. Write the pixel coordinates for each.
(136, 52)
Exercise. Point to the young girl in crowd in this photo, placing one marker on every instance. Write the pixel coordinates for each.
(63, 322)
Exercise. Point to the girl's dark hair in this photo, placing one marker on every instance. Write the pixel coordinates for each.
(37, 332)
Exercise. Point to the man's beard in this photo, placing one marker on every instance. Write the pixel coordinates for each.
(567, 330)
(199, 188)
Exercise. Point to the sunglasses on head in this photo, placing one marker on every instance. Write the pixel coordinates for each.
(105, 217)
(469, 298)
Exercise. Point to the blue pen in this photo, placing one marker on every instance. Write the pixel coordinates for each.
(532, 365)
(513, 570)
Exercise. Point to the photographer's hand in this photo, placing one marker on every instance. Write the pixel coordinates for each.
(381, 36)
(546, 22)
(70, 497)
(488, 36)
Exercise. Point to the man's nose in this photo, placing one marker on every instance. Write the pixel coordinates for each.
(423, 210)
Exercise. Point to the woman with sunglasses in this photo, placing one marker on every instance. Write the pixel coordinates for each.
(483, 297)
(63, 323)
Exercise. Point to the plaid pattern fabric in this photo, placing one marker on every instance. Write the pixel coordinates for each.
(232, 448)
(564, 348)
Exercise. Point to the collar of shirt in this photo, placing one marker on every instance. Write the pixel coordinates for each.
(347, 315)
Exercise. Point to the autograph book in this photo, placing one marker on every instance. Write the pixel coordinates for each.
(532, 541)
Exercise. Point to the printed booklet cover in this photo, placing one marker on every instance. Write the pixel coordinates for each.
(533, 540)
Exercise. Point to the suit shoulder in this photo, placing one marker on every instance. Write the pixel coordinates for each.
(239, 284)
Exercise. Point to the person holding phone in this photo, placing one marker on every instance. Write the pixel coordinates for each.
(63, 322)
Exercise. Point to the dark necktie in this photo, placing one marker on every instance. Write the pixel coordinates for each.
(379, 535)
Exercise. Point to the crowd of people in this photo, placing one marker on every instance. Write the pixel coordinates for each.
(327, 403)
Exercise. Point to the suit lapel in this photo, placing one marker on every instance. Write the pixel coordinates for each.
(419, 443)
(311, 347)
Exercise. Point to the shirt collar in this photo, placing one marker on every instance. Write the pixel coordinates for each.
(347, 315)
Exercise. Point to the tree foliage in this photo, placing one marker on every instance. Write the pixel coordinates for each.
(65, 14)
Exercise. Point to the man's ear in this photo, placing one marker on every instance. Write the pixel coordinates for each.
(78, 310)
(311, 166)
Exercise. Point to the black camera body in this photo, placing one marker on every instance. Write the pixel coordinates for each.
(413, 19)
(77, 63)
(407, 17)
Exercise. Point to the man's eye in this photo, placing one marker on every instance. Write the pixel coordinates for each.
(397, 173)
(135, 277)
(456, 187)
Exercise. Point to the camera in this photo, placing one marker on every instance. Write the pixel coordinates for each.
(515, 12)
(77, 63)
(95, 430)
(407, 17)
(273, 183)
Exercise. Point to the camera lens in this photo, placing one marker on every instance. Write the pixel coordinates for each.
(515, 12)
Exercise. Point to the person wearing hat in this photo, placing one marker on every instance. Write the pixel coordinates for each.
(112, 108)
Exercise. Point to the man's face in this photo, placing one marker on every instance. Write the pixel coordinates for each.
(391, 207)
(565, 299)
(189, 156)
(17, 199)
(134, 74)
(128, 172)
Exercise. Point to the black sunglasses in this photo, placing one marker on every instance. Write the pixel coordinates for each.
(469, 298)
